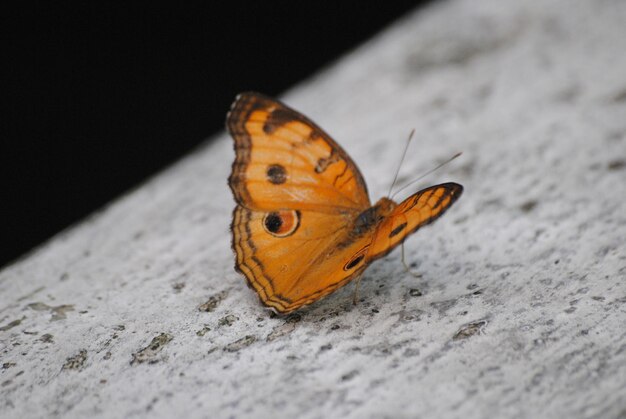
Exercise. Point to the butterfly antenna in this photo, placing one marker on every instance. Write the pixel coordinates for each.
(406, 147)
(426, 174)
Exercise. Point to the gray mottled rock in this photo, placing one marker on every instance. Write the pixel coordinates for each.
(521, 307)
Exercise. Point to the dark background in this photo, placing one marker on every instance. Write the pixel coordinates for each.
(101, 95)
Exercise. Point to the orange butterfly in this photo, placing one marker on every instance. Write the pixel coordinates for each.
(303, 225)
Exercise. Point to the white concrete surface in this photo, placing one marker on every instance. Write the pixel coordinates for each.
(523, 305)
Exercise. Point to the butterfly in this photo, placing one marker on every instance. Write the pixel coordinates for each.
(303, 225)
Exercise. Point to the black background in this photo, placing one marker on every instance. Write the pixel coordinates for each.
(101, 95)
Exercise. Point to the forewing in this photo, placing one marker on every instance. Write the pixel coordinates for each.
(283, 160)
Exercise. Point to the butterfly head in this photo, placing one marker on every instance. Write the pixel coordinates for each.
(384, 207)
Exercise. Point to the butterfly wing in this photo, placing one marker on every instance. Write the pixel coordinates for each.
(416, 211)
(298, 194)
(292, 258)
(285, 161)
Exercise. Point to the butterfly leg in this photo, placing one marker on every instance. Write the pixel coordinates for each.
(355, 298)
(406, 267)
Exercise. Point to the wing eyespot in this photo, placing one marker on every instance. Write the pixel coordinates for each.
(281, 223)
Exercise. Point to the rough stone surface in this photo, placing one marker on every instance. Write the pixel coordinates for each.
(521, 308)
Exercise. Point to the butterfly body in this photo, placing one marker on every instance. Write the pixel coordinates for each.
(303, 225)
(374, 215)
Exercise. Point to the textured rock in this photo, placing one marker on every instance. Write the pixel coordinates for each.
(521, 307)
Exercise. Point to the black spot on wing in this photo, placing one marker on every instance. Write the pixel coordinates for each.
(353, 262)
(276, 174)
(397, 230)
(356, 259)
